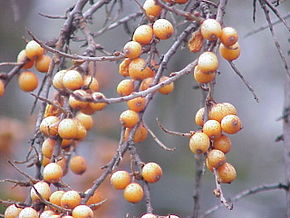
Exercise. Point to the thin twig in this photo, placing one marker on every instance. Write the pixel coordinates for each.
(186, 134)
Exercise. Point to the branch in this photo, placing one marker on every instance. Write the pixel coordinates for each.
(173, 132)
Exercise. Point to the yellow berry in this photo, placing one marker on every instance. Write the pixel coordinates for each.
(199, 143)
(211, 29)
(212, 128)
(208, 62)
(129, 118)
(120, 179)
(43, 189)
(72, 80)
(143, 34)
(27, 81)
(33, 50)
(70, 199)
(133, 193)
(52, 173)
(151, 172)
(163, 29)
(132, 49)
(231, 124)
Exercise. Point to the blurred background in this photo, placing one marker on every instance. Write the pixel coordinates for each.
(255, 154)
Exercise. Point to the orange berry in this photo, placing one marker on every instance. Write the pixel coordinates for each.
(91, 83)
(199, 117)
(42, 63)
(132, 49)
(52, 173)
(137, 104)
(146, 83)
(222, 143)
(82, 211)
(138, 69)
(216, 158)
(72, 80)
(57, 79)
(166, 89)
(143, 34)
(27, 81)
(2, 87)
(97, 106)
(48, 147)
(226, 173)
(28, 212)
(208, 62)
(181, 1)
(66, 142)
(163, 29)
(12, 211)
(78, 165)
(22, 58)
(63, 164)
(51, 110)
(140, 135)
(231, 124)
(49, 126)
(129, 118)
(70, 199)
(133, 193)
(199, 143)
(67, 128)
(82, 132)
(55, 197)
(151, 172)
(125, 87)
(212, 128)
(86, 120)
(124, 67)
(120, 179)
(96, 198)
(78, 104)
(208, 166)
(46, 214)
(149, 215)
(152, 10)
(229, 36)
(202, 77)
(211, 29)
(45, 161)
(43, 189)
(33, 50)
(220, 110)
(230, 53)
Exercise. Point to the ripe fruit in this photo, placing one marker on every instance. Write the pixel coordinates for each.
(140, 135)
(231, 124)
(137, 104)
(146, 83)
(138, 69)
(132, 49)
(124, 67)
(163, 29)
(133, 193)
(212, 128)
(166, 89)
(43, 189)
(52, 110)
(229, 36)
(49, 126)
(82, 132)
(120, 179)
(208, 166)
(207, 62)
(55, 197)
(42, 63)
(27, 81)
(46, 214)
(77, 104)
(78, 165)
(45, 161)
(152, 10)
(21, 58)
(151, 172)
(57, 79)
(86, 120)
(216, 158)
(72, 80)
(222, 143)
(2, 87)
(70, 199)
(125, 87)
(48, 147)
(195, 42)
(199, 117)
(52, 173)
(97, 106)
(226, 173)
(33, 50)
(12, 211)
(96, 198)
(211, 29)
(28, 212)
(149, 215)
(230, 53)
(143, 34)
(62, 162)
(91, 83)
(202, 77)
(67, 129)
(220, 110)
(82, 211)
(129, 118)
(199, 143)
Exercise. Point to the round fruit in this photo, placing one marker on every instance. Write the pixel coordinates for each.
(129, 118)
(222, 143)
(33, 50)
(229, 36)
(96, 198)
(22, 58)
(125, 87)
(47, 214)
(166, 89)
(226, 173)
(212, 128)
(151, 172)
(216, 158)
(78, 104)
(43, 189)
(143, 34)
(70, 199)
(72, 80)
(199, 117)
(91, 83)
(45, 161)
(152, 10)
(140, 135)
(124, 67)
(199, 143)
(231, 124)
(146, 83)
(138, 69)
(86, 120)
(57, 79)
(2, 87)
(132, 49)
(82, 211)
(211, 29)
(78, 165)
(202, 77)
(137, 104)
(27, 81)
(220, 110)
(12, 211)
(49, 126)
(208, 166)
(28, 212)
(230, 53)
(120, 179)
(52, 173)
(55, 197)
(42, 63)
(97, 106)
(48, 147)
(67, 129)
(82, 132)
(149, 215)
(208, 62)
(133, 193)
(163, 29)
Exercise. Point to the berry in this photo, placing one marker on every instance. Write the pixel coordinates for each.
(42, 63)
(52, 173)
(97, 106)
(212, 128)
(140, 135)
(222, 143)
(48, 147)
(28, 212)
(125, 87)
(231, 124)
(22, 58)
(82, 211)
(229, 36)
(91, 83)
(133, 193)
(27, 81)
(163, 29)
(129, 118)
(57, 79)
(49, 126)
(33, 50)
(211, 29)
(96, 198)
(143, 34)
(78, 104)
(132, 49)
(216, 158)
(149, 215)
(207, 62)
(166, 89)
(199, 117)
(78, 165)
(226, 173)
(55, 197)
(137, 104)
(2, 87)
(70, 199)
(146, 83)
(43, 189)
(85, 120)
(12, 211)
(67, 129)
(46, 214)
(124, 67)
(72, 80)
(151, 9)
(220, 110)
(138, 69)
(151, 172)
(120, 179)
(230, 53)
(202, 77)
(199, 143)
